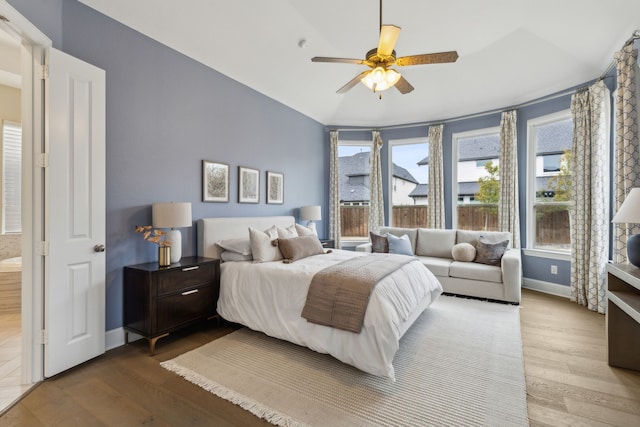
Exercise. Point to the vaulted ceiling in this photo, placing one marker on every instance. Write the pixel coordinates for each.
(511, 51)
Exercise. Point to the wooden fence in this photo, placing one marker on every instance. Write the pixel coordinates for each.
(552, 224)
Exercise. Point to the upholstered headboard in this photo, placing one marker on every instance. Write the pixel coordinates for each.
(212, 230)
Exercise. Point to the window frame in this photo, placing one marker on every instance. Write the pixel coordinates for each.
(532, 126)
(455, 138)
(391, 144)
(353, 143)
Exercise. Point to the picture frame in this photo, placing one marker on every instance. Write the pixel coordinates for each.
(215, 181)
(275, 188)
(248, 185)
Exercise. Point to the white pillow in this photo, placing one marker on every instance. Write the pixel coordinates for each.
(261, 246)
(304, 231)
(287, 233)
(228, 256)
(240, 245)
(464, 252)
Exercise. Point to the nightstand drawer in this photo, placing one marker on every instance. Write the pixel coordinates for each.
(183, 307)
(185, 278)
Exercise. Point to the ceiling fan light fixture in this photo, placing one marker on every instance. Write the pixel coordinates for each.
(380, 79)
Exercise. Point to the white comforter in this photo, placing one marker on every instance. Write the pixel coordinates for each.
(269, 297)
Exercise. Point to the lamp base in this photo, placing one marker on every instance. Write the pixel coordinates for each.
(175, 237)
(633, 250)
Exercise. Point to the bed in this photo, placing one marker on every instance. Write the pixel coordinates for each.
(269, 297)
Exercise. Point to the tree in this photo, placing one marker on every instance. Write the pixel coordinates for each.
(489, 192)
(561, 184)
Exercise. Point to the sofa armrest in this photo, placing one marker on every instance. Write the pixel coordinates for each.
(511, 266)
(365, 247)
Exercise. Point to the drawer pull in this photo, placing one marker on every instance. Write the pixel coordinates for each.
(191, 268)
(192, 291)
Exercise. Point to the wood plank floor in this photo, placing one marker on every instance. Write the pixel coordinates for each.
(568, 380)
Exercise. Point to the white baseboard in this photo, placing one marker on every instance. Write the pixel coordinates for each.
(547, 287)
(115, 338)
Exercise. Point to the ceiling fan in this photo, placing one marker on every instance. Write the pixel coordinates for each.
(380, 76)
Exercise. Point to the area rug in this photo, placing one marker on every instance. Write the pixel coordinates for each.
(460, 364)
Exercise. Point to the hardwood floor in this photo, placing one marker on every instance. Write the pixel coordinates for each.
(568, 380)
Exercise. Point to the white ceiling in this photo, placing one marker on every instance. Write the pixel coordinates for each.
(511, 51)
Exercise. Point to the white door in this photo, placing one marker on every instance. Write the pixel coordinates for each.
(75, 212)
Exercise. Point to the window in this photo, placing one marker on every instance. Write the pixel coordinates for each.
(475, 172)
(549, 182)
(408, 172)
(353, 167)
(11, 178)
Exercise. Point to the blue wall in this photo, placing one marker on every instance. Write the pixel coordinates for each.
(165, 114)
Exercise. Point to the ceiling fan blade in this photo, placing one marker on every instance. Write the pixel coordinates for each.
(388, 37)
(353, 82)
(428, 58)
(341, 60)
(403, 86)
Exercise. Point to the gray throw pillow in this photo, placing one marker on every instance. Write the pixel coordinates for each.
(296, 248)
(379, 244)
(399, 245)
(490, 253)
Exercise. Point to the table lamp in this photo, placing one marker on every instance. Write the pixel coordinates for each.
(172, 215)
(629, 213)
(311, 214)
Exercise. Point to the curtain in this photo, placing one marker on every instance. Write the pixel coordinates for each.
(334, 191)
(435, 196)
(590, 194)
(627, 148)
(376, 201)
(508, 215)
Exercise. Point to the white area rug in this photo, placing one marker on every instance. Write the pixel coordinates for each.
(460, 364)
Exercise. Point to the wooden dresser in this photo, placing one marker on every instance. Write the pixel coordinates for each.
(623, 316)
(159, 300)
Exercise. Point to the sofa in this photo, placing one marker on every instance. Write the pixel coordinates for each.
(434, 248)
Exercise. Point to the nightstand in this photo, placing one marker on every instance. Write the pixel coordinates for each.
(328, 243)
(159, 300)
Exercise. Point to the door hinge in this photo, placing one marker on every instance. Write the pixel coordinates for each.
(44, 72)
(43, 336)
(43, 249)
(42, 160)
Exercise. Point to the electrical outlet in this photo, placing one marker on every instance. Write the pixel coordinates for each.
(554, 269)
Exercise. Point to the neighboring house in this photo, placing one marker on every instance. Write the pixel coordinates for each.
(354, 182)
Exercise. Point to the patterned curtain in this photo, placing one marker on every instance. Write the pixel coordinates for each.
(627, 147)
(435, 218)
(508, 213)
(376, 201)
(590, 195)
(334, 191)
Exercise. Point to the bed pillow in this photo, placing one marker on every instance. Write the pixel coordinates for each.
(296, 248)
(240, 246)
(262, 244)
(399, 245)
(379, 244)
(490, 253)
(286, 233)
(304, 231)
(228, 256)
(464, 252)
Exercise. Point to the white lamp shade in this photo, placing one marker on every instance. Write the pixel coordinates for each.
(171, 215)
(629, 212)
(310, 213)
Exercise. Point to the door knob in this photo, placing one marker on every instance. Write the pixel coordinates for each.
(98, 248)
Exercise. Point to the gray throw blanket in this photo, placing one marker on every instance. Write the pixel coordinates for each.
(338, 296)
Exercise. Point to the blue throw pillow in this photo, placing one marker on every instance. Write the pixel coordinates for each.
(399, 245)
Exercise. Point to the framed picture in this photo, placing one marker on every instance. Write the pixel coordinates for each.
(248, 185)
(275, 188)
(215, 182)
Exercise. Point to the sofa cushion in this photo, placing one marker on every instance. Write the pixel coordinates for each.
(467, 236)
(397, 231)
(464, 252)
(490, 253)
(399, 245)
(435, 242)
(379, 244)
(438, 266)
(475, 271)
